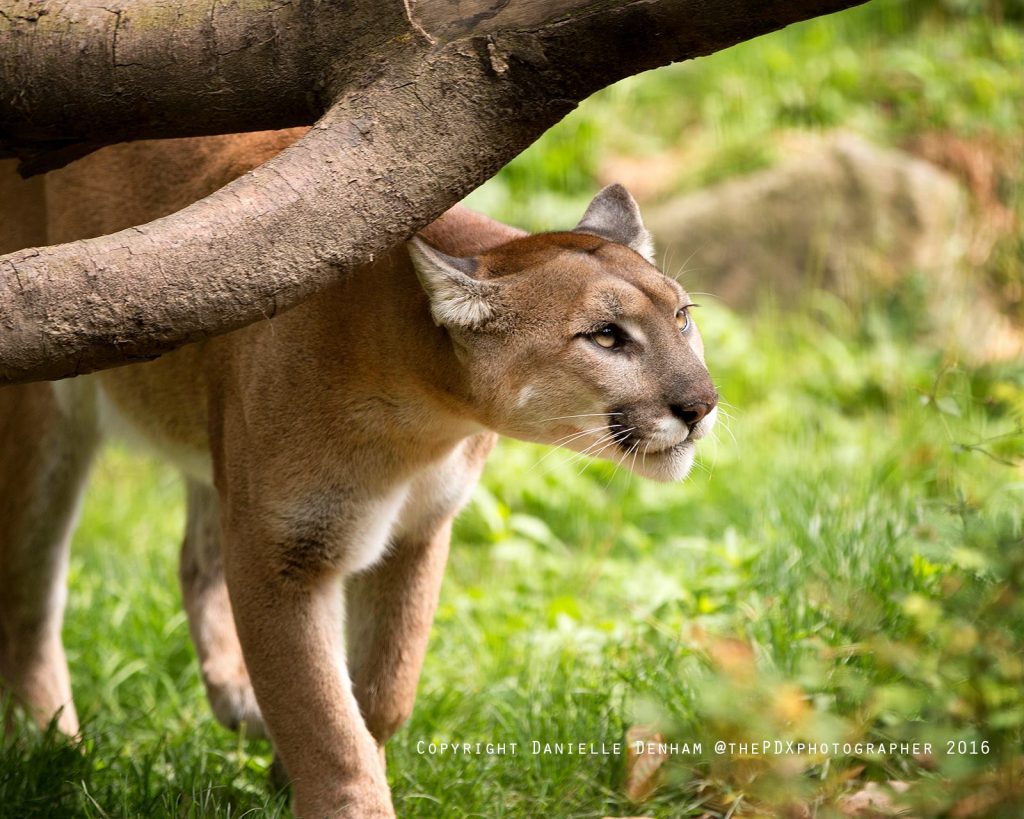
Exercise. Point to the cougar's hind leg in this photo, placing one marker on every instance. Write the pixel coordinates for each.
(210, 618)
(46, 446)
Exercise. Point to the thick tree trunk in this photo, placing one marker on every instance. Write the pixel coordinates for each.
(427, 114)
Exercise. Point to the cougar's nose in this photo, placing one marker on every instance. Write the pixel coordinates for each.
(693, 412)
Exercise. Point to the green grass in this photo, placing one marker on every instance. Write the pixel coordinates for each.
(847, 563)
(824, 531)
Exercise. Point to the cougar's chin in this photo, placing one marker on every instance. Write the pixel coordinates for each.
(666, 465)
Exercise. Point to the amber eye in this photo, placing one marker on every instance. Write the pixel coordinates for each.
(683, 320)
(609, 336)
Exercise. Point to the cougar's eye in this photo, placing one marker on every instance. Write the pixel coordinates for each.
(683, 318)
(609, 336)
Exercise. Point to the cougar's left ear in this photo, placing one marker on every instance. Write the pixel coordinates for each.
(614, 215)
(457, 299)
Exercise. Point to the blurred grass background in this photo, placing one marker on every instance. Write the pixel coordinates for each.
(846, 563)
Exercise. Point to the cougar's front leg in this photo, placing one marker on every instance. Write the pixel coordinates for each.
(210, 618)
(388, 612)
(288, 615)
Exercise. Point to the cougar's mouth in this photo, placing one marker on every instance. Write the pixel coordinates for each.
(672, 449)
(671, 463)
(628, 440)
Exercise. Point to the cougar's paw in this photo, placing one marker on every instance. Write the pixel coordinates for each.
(234, 706)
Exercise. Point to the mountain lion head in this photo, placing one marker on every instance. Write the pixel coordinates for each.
(576, 339)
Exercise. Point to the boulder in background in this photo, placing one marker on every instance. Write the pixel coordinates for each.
(839, 214)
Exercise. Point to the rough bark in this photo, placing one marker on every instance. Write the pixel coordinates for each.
(76, 76)
(421, 124)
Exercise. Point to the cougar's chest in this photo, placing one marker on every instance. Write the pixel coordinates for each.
(438, 491)
(411, 511)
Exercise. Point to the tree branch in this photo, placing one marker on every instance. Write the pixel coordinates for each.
(76, 76)
(423, 125)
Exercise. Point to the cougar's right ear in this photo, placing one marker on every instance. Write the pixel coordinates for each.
(457, 299)
(614, 215)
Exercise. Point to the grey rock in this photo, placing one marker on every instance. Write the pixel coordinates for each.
(843, 215)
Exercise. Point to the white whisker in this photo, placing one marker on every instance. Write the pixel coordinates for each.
(608, 436)
(682, 268)
(632, 465)
(582, 415)
(618, 463)
(667, 258)
(598, 446)
(593, 456)
(573, 435)
(556, 446)
(714, 459)
(608, 441)
(725, 425)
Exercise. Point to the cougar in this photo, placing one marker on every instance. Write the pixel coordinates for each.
(327, 450)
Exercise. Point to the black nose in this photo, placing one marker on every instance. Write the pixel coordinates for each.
(693, 412)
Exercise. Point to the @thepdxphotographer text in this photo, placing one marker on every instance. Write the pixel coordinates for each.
(781, 747)
(720, 747)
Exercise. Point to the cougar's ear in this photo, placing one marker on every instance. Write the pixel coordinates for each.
(614, 215)
(457, 299)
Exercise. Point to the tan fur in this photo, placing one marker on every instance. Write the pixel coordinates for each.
(336, 443)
